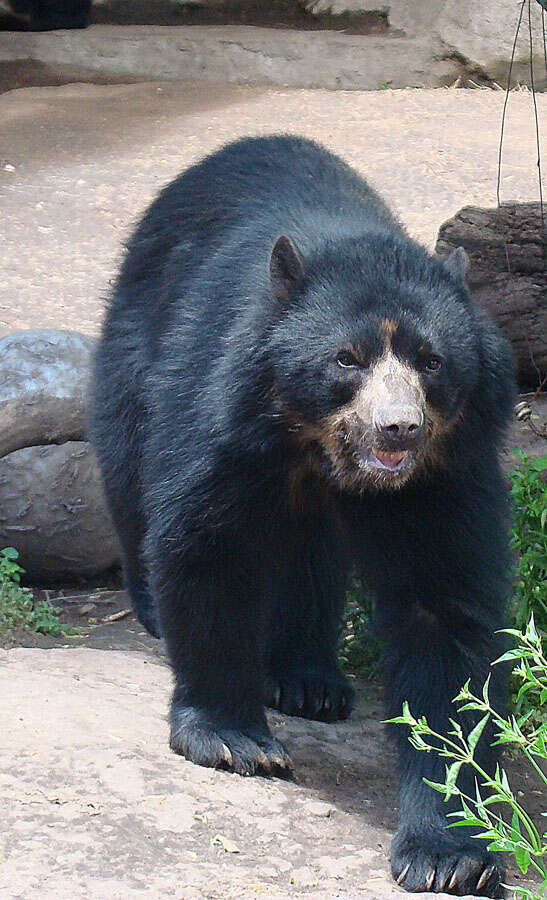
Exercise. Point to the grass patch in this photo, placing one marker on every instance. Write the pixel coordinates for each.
(19, 609)
(529, 536)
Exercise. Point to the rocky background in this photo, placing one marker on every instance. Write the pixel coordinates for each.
(343, 44)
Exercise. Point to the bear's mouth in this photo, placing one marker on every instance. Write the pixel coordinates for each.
(385, 460)
(388, 459)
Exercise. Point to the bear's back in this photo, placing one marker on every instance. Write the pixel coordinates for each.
(242, 195)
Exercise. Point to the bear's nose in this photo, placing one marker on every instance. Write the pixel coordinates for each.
(398, 423)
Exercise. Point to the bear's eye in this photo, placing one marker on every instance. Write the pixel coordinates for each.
(346, 360)
(432, 363)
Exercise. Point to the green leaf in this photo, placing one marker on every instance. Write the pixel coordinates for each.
(504, 781)
(436, 785)
(510, 654)
(418, 742)
(452, 773)
(466, 823)
(476, 732)
(538, 464)
(9, 553)
(406, 719)
(531, 632)
(457, 728)
(522, 857)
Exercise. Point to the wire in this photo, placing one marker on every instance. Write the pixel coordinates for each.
(500, 152)
(535, 111)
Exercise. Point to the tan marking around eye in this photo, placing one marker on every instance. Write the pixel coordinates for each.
(357, 352)
(388, 327)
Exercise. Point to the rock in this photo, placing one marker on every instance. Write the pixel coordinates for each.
(52, 505)
(344, 7)
(43, 383)
(527, 434)
(239, 54)
(480, 34)
(507, 276)
(319, 808)
(412, 17)
(52, 509)
(483, 34)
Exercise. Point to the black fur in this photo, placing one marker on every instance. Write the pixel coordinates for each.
(207, 350)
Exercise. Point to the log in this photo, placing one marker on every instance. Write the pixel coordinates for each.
(507, 276)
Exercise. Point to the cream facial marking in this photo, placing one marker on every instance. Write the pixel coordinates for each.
(392, 400)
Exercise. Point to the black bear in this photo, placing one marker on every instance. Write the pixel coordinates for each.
(289, 389)
(45, 15)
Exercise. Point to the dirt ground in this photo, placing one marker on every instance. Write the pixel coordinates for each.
(93, 803)
(80, 162)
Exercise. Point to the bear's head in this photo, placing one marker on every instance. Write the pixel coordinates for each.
(375, 349)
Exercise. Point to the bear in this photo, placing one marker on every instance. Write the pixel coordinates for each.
(289, 390)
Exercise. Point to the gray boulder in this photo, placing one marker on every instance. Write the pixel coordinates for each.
(339, 7)
(483, 34)
(52, 509)
(43, 384)
(52, 506)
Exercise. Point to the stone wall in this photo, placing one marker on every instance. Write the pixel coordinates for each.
(481, 34)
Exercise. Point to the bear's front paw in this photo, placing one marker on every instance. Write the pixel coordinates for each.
(435, 862)
(196, 736)
(312, 694)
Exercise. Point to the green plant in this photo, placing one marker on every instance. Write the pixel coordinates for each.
(516, 834)
(529, 535)
(10, 570)
(18, 608)
(359, 648)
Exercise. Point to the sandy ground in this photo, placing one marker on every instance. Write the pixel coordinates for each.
(93, 803)
(97, 806)
(79, 163)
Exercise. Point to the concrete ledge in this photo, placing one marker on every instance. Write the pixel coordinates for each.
(239, 54)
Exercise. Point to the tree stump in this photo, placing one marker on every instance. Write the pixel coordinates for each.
(507, 276)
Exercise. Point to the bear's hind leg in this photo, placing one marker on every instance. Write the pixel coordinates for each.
(304, 677)
(129, 522)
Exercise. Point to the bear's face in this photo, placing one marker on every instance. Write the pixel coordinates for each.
(373, 369)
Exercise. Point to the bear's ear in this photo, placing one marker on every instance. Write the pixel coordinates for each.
(457, 263)
(286, 268)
